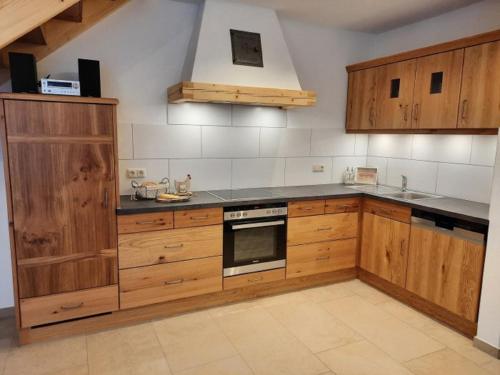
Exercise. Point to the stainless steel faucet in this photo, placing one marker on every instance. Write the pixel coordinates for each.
(404, 183)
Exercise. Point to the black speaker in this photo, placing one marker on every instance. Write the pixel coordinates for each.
(90, 78)
(23, 73)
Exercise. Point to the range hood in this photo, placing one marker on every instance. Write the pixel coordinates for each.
(211, 76)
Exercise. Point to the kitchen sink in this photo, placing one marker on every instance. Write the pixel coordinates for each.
(408, 195)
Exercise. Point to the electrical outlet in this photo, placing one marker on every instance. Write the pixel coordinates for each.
(141, 173)
(136, 173)
(318, 168)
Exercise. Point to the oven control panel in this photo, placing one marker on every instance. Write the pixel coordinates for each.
(255, 213)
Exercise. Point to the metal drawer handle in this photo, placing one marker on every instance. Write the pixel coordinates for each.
(199, 217)
(323, 258)
(152, 222)
(307, 208)
(175, 246)
(255, 280)
(324, 228)
(179, 281)
(72, 307)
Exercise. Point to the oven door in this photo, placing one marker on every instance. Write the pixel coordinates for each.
(254, 245)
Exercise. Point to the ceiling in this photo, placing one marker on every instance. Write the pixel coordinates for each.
(361, 15)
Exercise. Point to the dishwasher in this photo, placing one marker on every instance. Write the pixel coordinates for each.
(445, 261)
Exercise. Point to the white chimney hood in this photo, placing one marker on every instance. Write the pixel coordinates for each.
(211, 76)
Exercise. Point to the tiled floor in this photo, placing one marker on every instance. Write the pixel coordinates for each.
(347, 328)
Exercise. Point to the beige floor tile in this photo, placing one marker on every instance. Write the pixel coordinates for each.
(406, 314)
(327, 293)
(229, 366)
(493, 367)
(47, 357)
(369, 293)
(314, 326)
(444, 362)
(457, 342)
(286, 298)
(361, 358)
(126, 351)
(232, 308)
(267, 346)
(5, 346)
(192, 340)
(79, 370)
(395, 337)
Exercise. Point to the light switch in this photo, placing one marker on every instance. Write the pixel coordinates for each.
(136, 173)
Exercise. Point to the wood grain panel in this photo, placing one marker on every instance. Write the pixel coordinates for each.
(438, 110)
(395, 112)
(361, 99)
(446, 270)
(480, 94)
(198, 218)
(306, 208)
(389, 210)
(341, 205)
(310, 259)
(384, 248)
(309, 229)
(145, 222)
(167, 282)
(65, 306)
(149, 248)
(254, 278)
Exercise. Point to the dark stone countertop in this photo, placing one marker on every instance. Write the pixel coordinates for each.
(457, 208)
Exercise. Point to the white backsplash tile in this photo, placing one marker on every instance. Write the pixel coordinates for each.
(468, 182)
(442, 148)
(245, 115)
(298, 171)
(422, 175)
(275, 142)
(199, 114)
(381, 165)
(340, 163)
(230, 142)
(332, 142)
(206, 173)
(263, 172)
(390, 145)
(484, 149)
(125, 141)
(156, 169)
(161, 142)
(361, 147)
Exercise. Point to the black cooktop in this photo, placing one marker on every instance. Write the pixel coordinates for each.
(245, 194)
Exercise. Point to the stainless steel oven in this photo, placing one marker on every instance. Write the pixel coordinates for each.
(254, 238)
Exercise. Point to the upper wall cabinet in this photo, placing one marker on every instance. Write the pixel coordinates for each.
(452, 87)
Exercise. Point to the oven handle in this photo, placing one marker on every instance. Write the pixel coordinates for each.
(258, 225)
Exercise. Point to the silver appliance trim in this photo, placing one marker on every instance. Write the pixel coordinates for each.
(457, 232)
(233, 271)
(257, 213)
(258, 225)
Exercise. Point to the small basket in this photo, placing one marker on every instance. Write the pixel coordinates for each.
(149, 192)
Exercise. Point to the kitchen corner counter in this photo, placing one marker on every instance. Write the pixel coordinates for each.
(456, 208)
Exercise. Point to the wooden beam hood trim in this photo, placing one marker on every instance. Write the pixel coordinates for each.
(215, 93)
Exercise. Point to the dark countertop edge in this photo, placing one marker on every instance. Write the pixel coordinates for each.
(189, 206)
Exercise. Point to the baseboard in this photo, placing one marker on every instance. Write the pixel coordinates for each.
(7, 313)
(487, 348)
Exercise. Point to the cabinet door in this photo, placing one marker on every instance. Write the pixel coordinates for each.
(361, 99)
(437, 90)
(384, 248)
(445, 270)
(480, 95)
(394, 96)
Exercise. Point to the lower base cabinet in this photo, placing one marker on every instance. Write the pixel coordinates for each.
(310, 259)
(166, 282)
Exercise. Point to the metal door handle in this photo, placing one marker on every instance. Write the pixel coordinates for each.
(405, 114)
(106, 198)
(151, 222)
(323, 258)
(465, 107)
(178, 281)
(324, 228)
(72, 307)
(175, 246)
(199, 217)
(258, 225)
(415, 112)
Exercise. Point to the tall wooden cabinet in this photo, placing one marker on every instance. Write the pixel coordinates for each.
(61, 173)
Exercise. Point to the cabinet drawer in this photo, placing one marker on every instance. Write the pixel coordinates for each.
(65, 306)
(302, 230)
(338, 206)
(198, 218)
(320, 257)
(149, 248)
(167, 282)
(306, 208)
(388, 210)
(242, 281)
(145, 222)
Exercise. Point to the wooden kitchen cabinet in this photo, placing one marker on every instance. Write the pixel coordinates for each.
(446, 269)
(361, 99)
(384, 247)
(394, 95)
(480, 94)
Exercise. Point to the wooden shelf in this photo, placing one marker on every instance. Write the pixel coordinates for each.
(215, 93)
